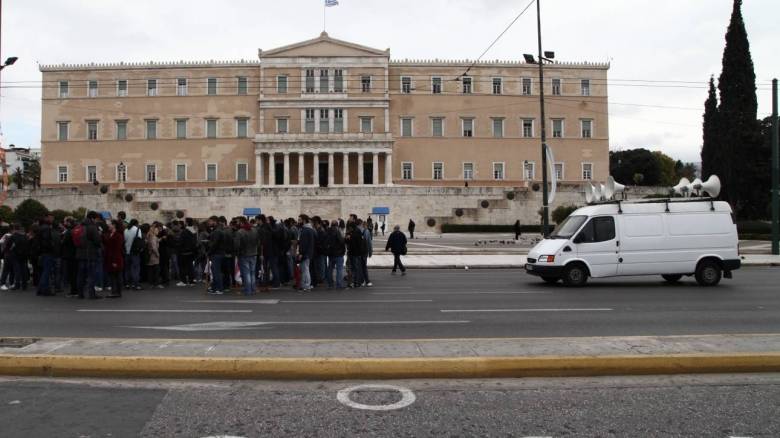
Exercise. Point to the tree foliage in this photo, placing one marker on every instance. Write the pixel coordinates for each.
(561, 212)
(29, 211)
(711, 153)
(6, 214)
(623, 165)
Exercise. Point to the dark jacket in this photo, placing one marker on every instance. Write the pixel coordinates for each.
(396, 243)
(321, 246)
(48, 241)
(188, 242)
(411, 225)
(20, 245)
(267, 248)
(306, 242)
(113, 251)
(67, 248)
(218, 241)
(91, 243)
(334, 243)
(355, 245)
(246, 242)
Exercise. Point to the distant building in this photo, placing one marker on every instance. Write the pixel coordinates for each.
(20, 158)
(323, 112)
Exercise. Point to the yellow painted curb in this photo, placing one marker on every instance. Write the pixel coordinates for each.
(382, 368)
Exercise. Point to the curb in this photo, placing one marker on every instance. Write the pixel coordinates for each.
(383, 368)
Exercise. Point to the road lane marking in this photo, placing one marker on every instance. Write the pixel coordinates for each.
(241, 325)
(162, 311)
(407, 397)
(463, 293)
(354, 301)
(218, 301)
(525, 310)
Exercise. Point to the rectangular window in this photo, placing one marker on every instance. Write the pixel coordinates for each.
(406, 127)
(559, 171)
(242, 172)
(365, 125)
(62, 174)
(121, 172)
(498, 171)
(62, 131)
(338, 120)
(92, 89)
(324, 120)
(151, 87)
(587, 128)
(242, 86)
(407, 171)
(92, 130)
(212, 87)
(406, 84)
(64, 89)
(365, 84)
(437, 127)
(587, 171)
(310, 80)
(438, 170)
(281, 126)
(181, 87)
(497, 86)
(121, 129)
(151, 173)
(529, 170)
(436, 85)
(338, 81)
(309, 124)
(556, 87)
(468, 171)
(324, 81)
(181, 172)
(468, 127)
(498, 128)
(585, 87)
(151, 129)
(91, 174)
(528, 127)
(242, 126)
(281, 84)
(181, 128)
(211, 172)
(211, 128)
(557, 128)
(527, 86)
(121, 87)
(466, 85)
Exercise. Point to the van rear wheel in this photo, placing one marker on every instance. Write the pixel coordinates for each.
(550, 280)
(708, 273)
(672, 278)
(575, 275)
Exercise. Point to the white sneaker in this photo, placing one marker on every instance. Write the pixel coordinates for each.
(98, 289)
(180, 284)
(369, 284)
(3, 287)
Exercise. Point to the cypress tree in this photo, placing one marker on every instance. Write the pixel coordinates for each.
(710, 153)
(738, 127)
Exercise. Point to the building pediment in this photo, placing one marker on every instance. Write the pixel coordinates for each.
(323, 46)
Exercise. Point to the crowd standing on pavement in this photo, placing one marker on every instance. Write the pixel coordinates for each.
(84, 258)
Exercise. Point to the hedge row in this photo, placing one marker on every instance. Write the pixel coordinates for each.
(475, 228)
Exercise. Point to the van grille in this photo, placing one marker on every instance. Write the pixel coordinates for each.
(531, 260)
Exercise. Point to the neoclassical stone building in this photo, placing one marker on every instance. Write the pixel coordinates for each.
(323, 112)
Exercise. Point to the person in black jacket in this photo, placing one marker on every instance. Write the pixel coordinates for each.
(411, 228)
(216, 252)
(48, 250)
(396, 244)
(335, 248)
(70, 264)
(306, 243)
(188, 248)
(355, 248)
(20, 250)
(87, 249)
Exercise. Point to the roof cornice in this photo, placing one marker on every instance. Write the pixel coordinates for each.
(466, 63)
(147, 65)
(324, 37)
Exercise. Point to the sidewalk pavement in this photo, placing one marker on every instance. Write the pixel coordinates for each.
(381, 260)
(389, 359)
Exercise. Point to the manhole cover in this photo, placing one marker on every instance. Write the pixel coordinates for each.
(17, 342)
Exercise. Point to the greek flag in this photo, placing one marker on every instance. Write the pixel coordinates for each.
(331, 3)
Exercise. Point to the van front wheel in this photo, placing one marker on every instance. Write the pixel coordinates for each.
(708, 273)
(672, 278)
(575, 275)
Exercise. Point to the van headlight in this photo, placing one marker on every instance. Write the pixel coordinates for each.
(546, 259)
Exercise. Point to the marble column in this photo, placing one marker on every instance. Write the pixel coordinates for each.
(259, 169)
(345, 167)
(286, 168)
(316, 163)
(388, 169)
(301, 174)
(361, 174)
(331, 170)
(375, 164)
(271, 169)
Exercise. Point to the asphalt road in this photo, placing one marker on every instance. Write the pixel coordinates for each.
(711, 406)
(423, 304)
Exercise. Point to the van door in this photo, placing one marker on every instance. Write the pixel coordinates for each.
(597, 244)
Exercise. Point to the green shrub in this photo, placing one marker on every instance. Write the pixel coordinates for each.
(30, 211)
(60, 215)
(79, 213)
(6, 214)
(562, 212)
(754, 227)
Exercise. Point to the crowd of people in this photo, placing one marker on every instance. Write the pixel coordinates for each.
(84, 258)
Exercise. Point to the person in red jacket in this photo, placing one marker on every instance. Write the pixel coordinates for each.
(113, 256)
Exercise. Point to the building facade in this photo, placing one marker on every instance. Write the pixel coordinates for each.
(323, 112)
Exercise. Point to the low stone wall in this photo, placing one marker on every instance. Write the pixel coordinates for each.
(436, 205)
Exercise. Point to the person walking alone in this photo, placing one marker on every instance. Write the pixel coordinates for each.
(396, 244)
(411, 229)
(517, 229)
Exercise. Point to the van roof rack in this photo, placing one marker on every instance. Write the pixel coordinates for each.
(666, 201)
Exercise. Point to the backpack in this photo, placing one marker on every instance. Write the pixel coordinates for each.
(138, 244)
(77, 235)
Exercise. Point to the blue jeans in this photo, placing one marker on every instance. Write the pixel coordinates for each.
(133, 270)
(305, 274)
(337, 263)
(216, 272)
(86, 277)
(247, 266)
(47, 269)
(322, 267)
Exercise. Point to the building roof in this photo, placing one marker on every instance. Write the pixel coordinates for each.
(323, 45)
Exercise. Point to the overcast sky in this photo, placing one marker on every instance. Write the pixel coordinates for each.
(645, 40)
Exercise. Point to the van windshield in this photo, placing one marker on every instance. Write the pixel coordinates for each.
(568, 227)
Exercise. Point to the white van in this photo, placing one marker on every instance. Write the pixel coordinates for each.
(671, 238)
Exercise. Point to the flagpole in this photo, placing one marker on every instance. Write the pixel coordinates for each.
(324, 8)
